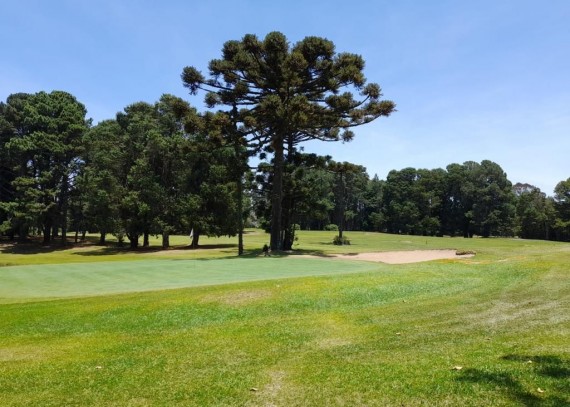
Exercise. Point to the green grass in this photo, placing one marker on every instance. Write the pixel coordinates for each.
(377, 335)
(48, 281)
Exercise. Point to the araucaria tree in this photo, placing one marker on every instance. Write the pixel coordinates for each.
(281, 95)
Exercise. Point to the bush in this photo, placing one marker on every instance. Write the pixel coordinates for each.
(331, 227)
(341, 241)
(463, 252)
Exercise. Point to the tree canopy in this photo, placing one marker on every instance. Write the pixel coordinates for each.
(282, 95)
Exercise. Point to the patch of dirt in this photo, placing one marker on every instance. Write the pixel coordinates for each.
(402, 257)
(241, 297)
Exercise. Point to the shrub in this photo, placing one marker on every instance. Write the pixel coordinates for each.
(341, 241)
(331, 227)
(463, 252)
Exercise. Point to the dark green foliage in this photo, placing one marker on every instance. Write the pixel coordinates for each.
(534, 212)
(341, 240)
(286, 95)
(470, 199)
(147, 175)
(562, 207)
(41, 141)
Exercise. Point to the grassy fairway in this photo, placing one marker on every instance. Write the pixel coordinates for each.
(378, 336)
(30, 283)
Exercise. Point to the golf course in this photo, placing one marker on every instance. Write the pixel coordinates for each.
(90, 325)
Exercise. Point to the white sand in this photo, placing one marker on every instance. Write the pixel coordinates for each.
(402, 257)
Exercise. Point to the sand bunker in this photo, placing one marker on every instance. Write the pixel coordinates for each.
(402, 257)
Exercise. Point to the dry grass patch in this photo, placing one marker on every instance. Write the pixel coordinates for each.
(238, 297)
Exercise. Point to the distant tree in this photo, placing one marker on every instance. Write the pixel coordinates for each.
(534, 212)
(375, 219)
(170, 154)
(316, 199)
(401, 202)
(430, 193)
(141, 193)
(458, 199)
(562, 205)
(478, 200)
(212, 186)
(45, 145)
(494, 204)
(223, 131)
(349, 188)
(8, 129)
(159, 165)
(286, 95)
(102, 178)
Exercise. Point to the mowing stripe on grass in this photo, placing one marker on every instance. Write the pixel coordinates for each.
(36, 282)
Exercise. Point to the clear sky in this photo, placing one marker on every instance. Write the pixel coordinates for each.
(472, 80)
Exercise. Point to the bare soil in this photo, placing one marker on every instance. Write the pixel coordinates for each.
(402, 257)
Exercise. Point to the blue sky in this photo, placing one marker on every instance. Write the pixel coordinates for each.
(472, 80)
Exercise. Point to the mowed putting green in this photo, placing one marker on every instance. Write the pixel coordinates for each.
(36, 282)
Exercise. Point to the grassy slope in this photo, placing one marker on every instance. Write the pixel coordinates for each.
(371, 338)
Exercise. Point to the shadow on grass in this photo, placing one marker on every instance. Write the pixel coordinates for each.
(255, 253)
(36, 246)
(553, 368)
(93, 249)
(110, 250)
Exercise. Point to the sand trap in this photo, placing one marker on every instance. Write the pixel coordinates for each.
(402, 257)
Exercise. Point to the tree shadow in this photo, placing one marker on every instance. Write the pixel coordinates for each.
(35, 245)
(554, 368)
(548, 365)
(307, 252)
(111, 250)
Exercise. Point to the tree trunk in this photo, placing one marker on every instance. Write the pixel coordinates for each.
(240, 214)
(102, 238)
(195, 238)
(165, 240)
(23, 232)
(63, 212)
(146, 240)
(47, 232)
(76, 239)
(276, 195)
(133, 241)
(287, 201)
(341, 205)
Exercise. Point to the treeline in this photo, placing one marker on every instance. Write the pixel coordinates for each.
(159, 169)
(153, 170)
(469, 199)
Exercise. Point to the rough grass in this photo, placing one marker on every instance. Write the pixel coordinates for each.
(488, 331)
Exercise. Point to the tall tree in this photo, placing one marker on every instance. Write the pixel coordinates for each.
(534, 212)
(349, 184)
(375, 219)
(400, 201)
(562, 204)
(287, 95)
(46, 144)
(101, 180)
(494, 204)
